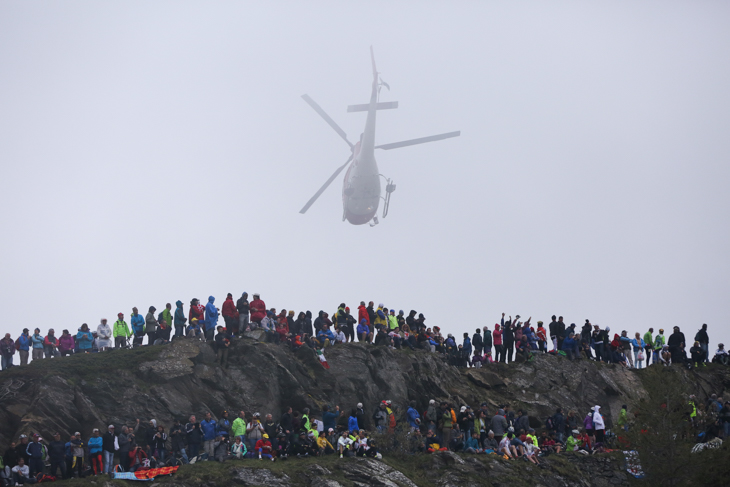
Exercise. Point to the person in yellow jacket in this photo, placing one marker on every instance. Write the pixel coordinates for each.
(120, 332)
(392, 320)
(324, 445)
(380, 317)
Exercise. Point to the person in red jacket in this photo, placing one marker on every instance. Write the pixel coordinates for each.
(230, 315)
(263, 448)
(258, 309)
(362, 314)
(136, 458)
(498, 347)
(197, 311)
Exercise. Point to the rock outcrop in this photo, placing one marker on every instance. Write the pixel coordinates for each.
(79, 393)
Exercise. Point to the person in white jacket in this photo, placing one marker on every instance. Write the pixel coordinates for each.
(103, 335)
(598, 424)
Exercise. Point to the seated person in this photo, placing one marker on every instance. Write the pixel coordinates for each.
(721, 355)
(432, 443)
(324, 446)
(697, 354)
(506, 448)
(263, 448)
(530, 451)
(238, 448)
(490, 443)
(472, 444)
(344, 444)
(21, 473)
(457, 441)
(571, 444)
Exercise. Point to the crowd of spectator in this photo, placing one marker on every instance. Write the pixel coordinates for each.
(507, 341)
(441, 426)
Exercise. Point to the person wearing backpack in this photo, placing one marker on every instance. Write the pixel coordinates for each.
(7, 350)
(137, 321)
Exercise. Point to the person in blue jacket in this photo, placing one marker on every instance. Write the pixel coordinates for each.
(137, 321)
(84, 338)
(211, 319)
(34, 450)
(179, 319)
(352, 422)
(37, 340)
(208, 425)
(95, 444)
(24, 345)
(414, 419)
(570, 347)
(325, 336)
(363, 331)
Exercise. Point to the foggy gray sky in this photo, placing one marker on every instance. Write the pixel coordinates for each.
(155, 151)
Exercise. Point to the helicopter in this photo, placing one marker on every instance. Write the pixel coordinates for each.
(361, 190)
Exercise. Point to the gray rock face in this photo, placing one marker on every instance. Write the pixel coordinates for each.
(80, 393)
(259, 477)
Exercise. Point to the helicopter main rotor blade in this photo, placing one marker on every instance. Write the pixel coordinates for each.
(327, 118)
(324, 186)
(422, 140)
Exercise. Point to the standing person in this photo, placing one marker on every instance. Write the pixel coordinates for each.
(167, 317)
(677, 346)
(7, 350)
(222, 344)
(553, 328)
(109, 445)
(230, 315)
(254, 431)
(638, 345)
(125, 439)
(362, 314)
(77, 448)
(23, 344)
(120, 332)
(208, 426)
(704, 340)
(447, 424)
(95, 447)
(195, 437)
(37, 341)
(258, 310)
(179, 319)
(150, 324)
(560, 328)
(66, 344)
(197, 312)
(211, 320)
(50, 344)
(499, 425)
(542, 337)
(177, 435)
(103, 335)
(242, 306)
(57, 456)
(508, 339)
(238, 427)
(598, 424)
(486, 340)
(498, 347)
(649, 345)
(84, 339)
(35, 455)
(137, 321)
(414, 419)
(659, 342)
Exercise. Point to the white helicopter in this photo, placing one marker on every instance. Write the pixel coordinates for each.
(361, 189)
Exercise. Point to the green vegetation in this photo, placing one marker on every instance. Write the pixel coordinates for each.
(87, 366)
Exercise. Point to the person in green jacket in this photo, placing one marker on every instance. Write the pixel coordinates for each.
(659, 343)
(120, 332)
(167, 315)
(446, 425)
(648, 345)
(572, 443)
(623, 422)
(238, 428)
